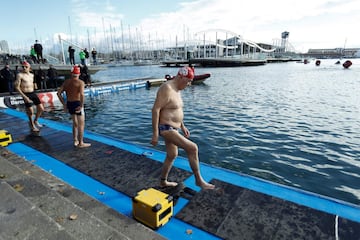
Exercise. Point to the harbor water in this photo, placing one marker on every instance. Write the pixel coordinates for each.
(292, 123)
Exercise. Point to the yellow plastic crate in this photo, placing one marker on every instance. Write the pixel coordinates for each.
(5, 138)
(152, 207)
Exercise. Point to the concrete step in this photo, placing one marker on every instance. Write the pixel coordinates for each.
(21, 219)
(56, 202)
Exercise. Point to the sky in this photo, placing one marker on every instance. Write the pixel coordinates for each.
(311, 23)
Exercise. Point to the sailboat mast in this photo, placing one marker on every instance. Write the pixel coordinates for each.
(122, 38)
(343, 54)
(88, 35)
(70, 28)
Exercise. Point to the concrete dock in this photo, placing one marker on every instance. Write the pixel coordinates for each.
(36, 205)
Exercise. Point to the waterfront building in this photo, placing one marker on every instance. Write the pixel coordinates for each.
(333, 53)
(232, 45)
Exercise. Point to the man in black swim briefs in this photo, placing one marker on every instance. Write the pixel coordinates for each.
(26, 86)
(167, 119)
(73, 107)
(74, 90)
(166, 127)
(34, 98)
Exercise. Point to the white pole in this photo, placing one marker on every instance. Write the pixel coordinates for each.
(62, 50)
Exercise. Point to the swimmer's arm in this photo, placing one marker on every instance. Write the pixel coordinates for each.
(184, 129)
(59, 94)
(160, 101)
(155, 127)
(155, 112)
(82, 95)
(17, 83)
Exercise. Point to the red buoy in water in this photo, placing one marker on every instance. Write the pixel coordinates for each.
(347, 64)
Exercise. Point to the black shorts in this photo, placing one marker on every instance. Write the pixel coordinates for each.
(34, 98)
(72, 106)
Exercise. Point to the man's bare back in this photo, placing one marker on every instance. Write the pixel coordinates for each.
(73, 89)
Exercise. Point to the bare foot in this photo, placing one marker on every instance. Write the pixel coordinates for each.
(76, 143)
(165, 183)
(37, 124)
(33, 128)
(83, 145)
(206, 186)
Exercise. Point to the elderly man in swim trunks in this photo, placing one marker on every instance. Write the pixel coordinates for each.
(26, 86)
(74, 89)
(167, 119)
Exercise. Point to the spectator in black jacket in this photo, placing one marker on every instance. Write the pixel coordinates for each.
(93, 54)
(40, 77)
(8, 77)
(71, 51)
(84, 75)
(87, 55)
(39, 49)
(52, 76)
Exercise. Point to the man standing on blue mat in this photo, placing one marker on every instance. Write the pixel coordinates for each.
(167, 120)
(26, 86)
(74, 89)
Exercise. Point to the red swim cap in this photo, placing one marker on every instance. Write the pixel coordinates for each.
(186, 72)
(75, 70)
(25, 63)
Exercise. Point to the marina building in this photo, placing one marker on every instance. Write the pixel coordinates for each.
(333, 53)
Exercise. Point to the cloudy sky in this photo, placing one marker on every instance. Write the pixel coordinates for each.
(311, 23)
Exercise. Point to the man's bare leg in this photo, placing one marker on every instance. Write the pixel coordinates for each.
(171, 153)
(80, 132)
(39, 111)
(172, 140)
(194, 164)
(30, 112)
(74, 130)
(165, 173)
(192, 152)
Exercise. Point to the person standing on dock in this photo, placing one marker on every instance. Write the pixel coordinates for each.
(26, 86)
(40, 78)
(86, 56)
(39, 51)
(82, 57)
(93, 55)
(71, 51)
(8, 76)
(74, 89)
(167, 119)
(52, 76)
(84, 75)
(33, 54)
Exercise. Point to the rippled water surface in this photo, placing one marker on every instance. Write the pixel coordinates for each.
(290, 123)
